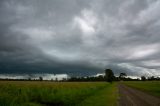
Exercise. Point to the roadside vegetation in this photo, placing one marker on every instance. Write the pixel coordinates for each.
(106, 97)
(151, 87)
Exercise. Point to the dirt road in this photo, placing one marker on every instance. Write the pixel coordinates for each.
(133, 97)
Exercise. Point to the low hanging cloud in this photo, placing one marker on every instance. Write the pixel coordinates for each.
(35, 76)
(80, 37)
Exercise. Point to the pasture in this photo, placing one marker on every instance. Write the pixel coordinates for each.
(36, 93)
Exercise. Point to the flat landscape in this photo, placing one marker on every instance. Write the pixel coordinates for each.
(36, 93)
(46, 93)
(79, 52)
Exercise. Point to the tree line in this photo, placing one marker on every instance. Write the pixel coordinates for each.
(109, 77)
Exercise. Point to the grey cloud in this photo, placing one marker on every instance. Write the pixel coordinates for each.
(79, 37)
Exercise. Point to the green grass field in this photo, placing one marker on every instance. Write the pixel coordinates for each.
(151, 87)
(25, 93)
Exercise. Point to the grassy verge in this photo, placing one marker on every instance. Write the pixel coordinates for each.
(105, 97)
(151, 87)
(19, 93)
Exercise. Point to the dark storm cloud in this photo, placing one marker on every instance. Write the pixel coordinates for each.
(80, 36)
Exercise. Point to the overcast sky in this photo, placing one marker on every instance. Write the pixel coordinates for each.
(80, 36)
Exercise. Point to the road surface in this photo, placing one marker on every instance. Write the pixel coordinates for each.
(133, 97)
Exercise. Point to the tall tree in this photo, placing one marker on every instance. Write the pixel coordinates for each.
(122, 76)
(109, 75)
(143, 78)
(41, 78)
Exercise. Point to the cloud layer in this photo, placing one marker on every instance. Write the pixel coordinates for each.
(80, 36)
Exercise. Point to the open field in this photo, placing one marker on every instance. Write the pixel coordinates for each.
(25, 93)
(151, 87)
(45, 93)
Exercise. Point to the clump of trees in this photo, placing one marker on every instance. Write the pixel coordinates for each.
(122, 76)
(152, 78)
(143, 78)
(41, 78)
(109, 75)
(85, 79)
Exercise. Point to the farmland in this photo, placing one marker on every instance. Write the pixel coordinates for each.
(151, 87)
(47, 93)
(36, 93)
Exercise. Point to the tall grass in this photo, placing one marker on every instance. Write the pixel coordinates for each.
(14, 93)
(105, 97)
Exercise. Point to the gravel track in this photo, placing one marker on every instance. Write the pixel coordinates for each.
(133, 97)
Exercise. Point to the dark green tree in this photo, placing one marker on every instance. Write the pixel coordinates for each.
(122, 76)
(109, 75)
(143, 78)
(41, 78)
